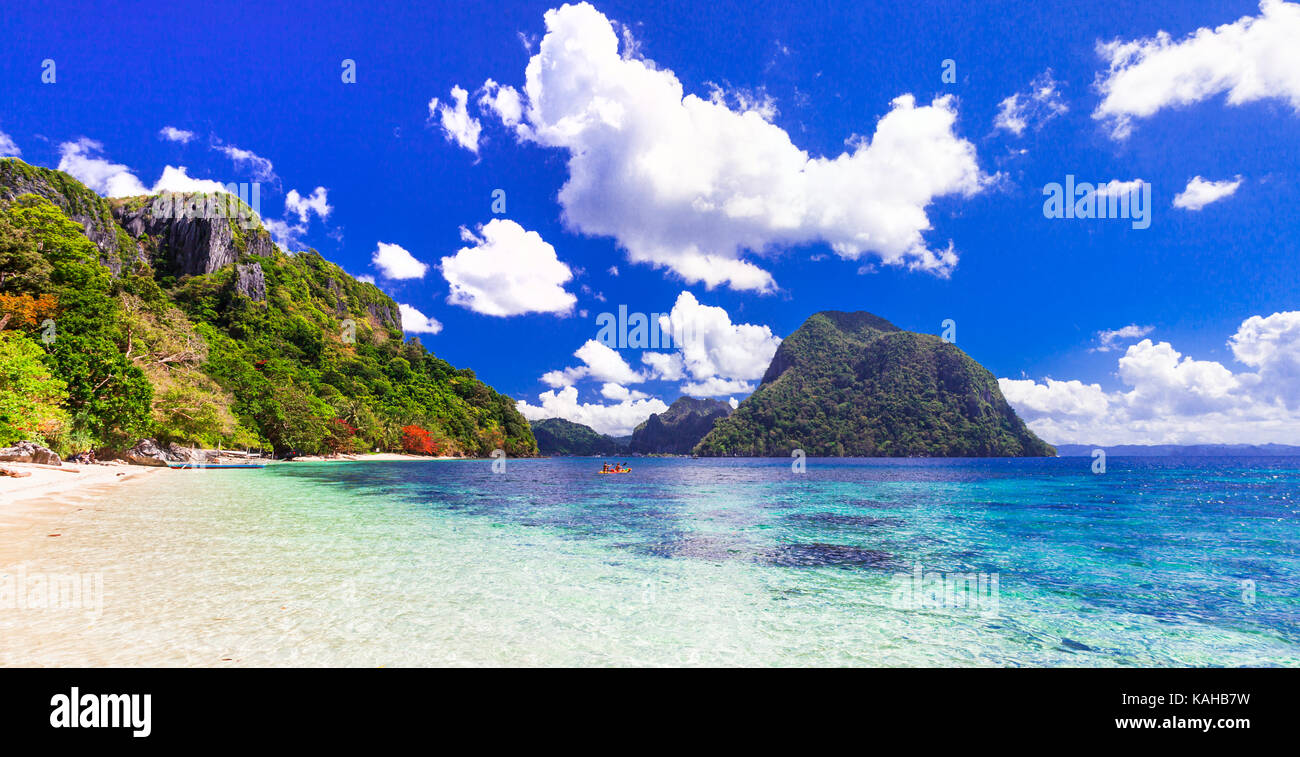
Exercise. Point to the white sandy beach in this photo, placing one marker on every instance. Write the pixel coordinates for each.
(48, 485)
(48, 482)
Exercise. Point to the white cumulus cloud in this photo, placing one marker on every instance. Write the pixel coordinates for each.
(1171, 398)
(668, 366)
(394, 262)
(84, 161)
(506, 271)
(614, 419)
(303, 207)
(1200, 192)
(1117, 188)
(712, 356)
(721, 357)
(1272, 346)
(695, 186)
(1035, 106)
(415, 322)
(177, 179)
(503, 100)
(715, 386)
(260, 168)
(619, 393)
(172, 134)
(1108, 340)
(8, 148)
(457, 124)
(1251, 59)
(599, 362)
(287, 236)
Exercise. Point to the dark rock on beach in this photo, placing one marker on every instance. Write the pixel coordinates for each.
(29, 452)
(147, 452)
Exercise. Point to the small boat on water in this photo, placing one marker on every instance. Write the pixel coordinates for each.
(222, 466)
(607, 472)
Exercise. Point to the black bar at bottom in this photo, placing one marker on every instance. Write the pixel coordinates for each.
(315, 707)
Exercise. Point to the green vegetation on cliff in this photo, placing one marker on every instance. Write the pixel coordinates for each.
(853, 384)
(557, 436)
(198, 331)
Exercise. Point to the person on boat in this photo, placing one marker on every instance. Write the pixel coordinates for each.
(605, 468)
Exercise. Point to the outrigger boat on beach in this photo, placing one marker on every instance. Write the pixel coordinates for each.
(207, 466)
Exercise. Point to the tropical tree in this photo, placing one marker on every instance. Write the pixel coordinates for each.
(31, 400)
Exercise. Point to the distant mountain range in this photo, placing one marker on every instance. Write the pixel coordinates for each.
(678, 429)
(557, 436)
(1180, 450)
(673, 432)
(854, 384)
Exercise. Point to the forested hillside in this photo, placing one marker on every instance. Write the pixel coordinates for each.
(854, 384)
(557, 436)
(120, 323)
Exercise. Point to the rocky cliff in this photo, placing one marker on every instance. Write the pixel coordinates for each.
(191, 235)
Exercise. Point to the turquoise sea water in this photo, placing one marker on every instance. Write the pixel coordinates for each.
(686, 562)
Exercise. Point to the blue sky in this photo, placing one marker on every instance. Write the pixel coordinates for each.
(1031, 296)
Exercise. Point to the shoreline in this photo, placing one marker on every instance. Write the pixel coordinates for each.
(368, 457)
(47, 487)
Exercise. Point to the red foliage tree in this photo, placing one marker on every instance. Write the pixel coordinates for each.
(416, 441)
(342, 437)
(25, 310)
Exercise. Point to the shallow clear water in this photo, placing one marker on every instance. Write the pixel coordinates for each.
(683, 562)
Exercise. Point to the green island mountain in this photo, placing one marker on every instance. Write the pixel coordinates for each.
(854, 384)
(557, 436)
(678, 429)
(119, 322)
